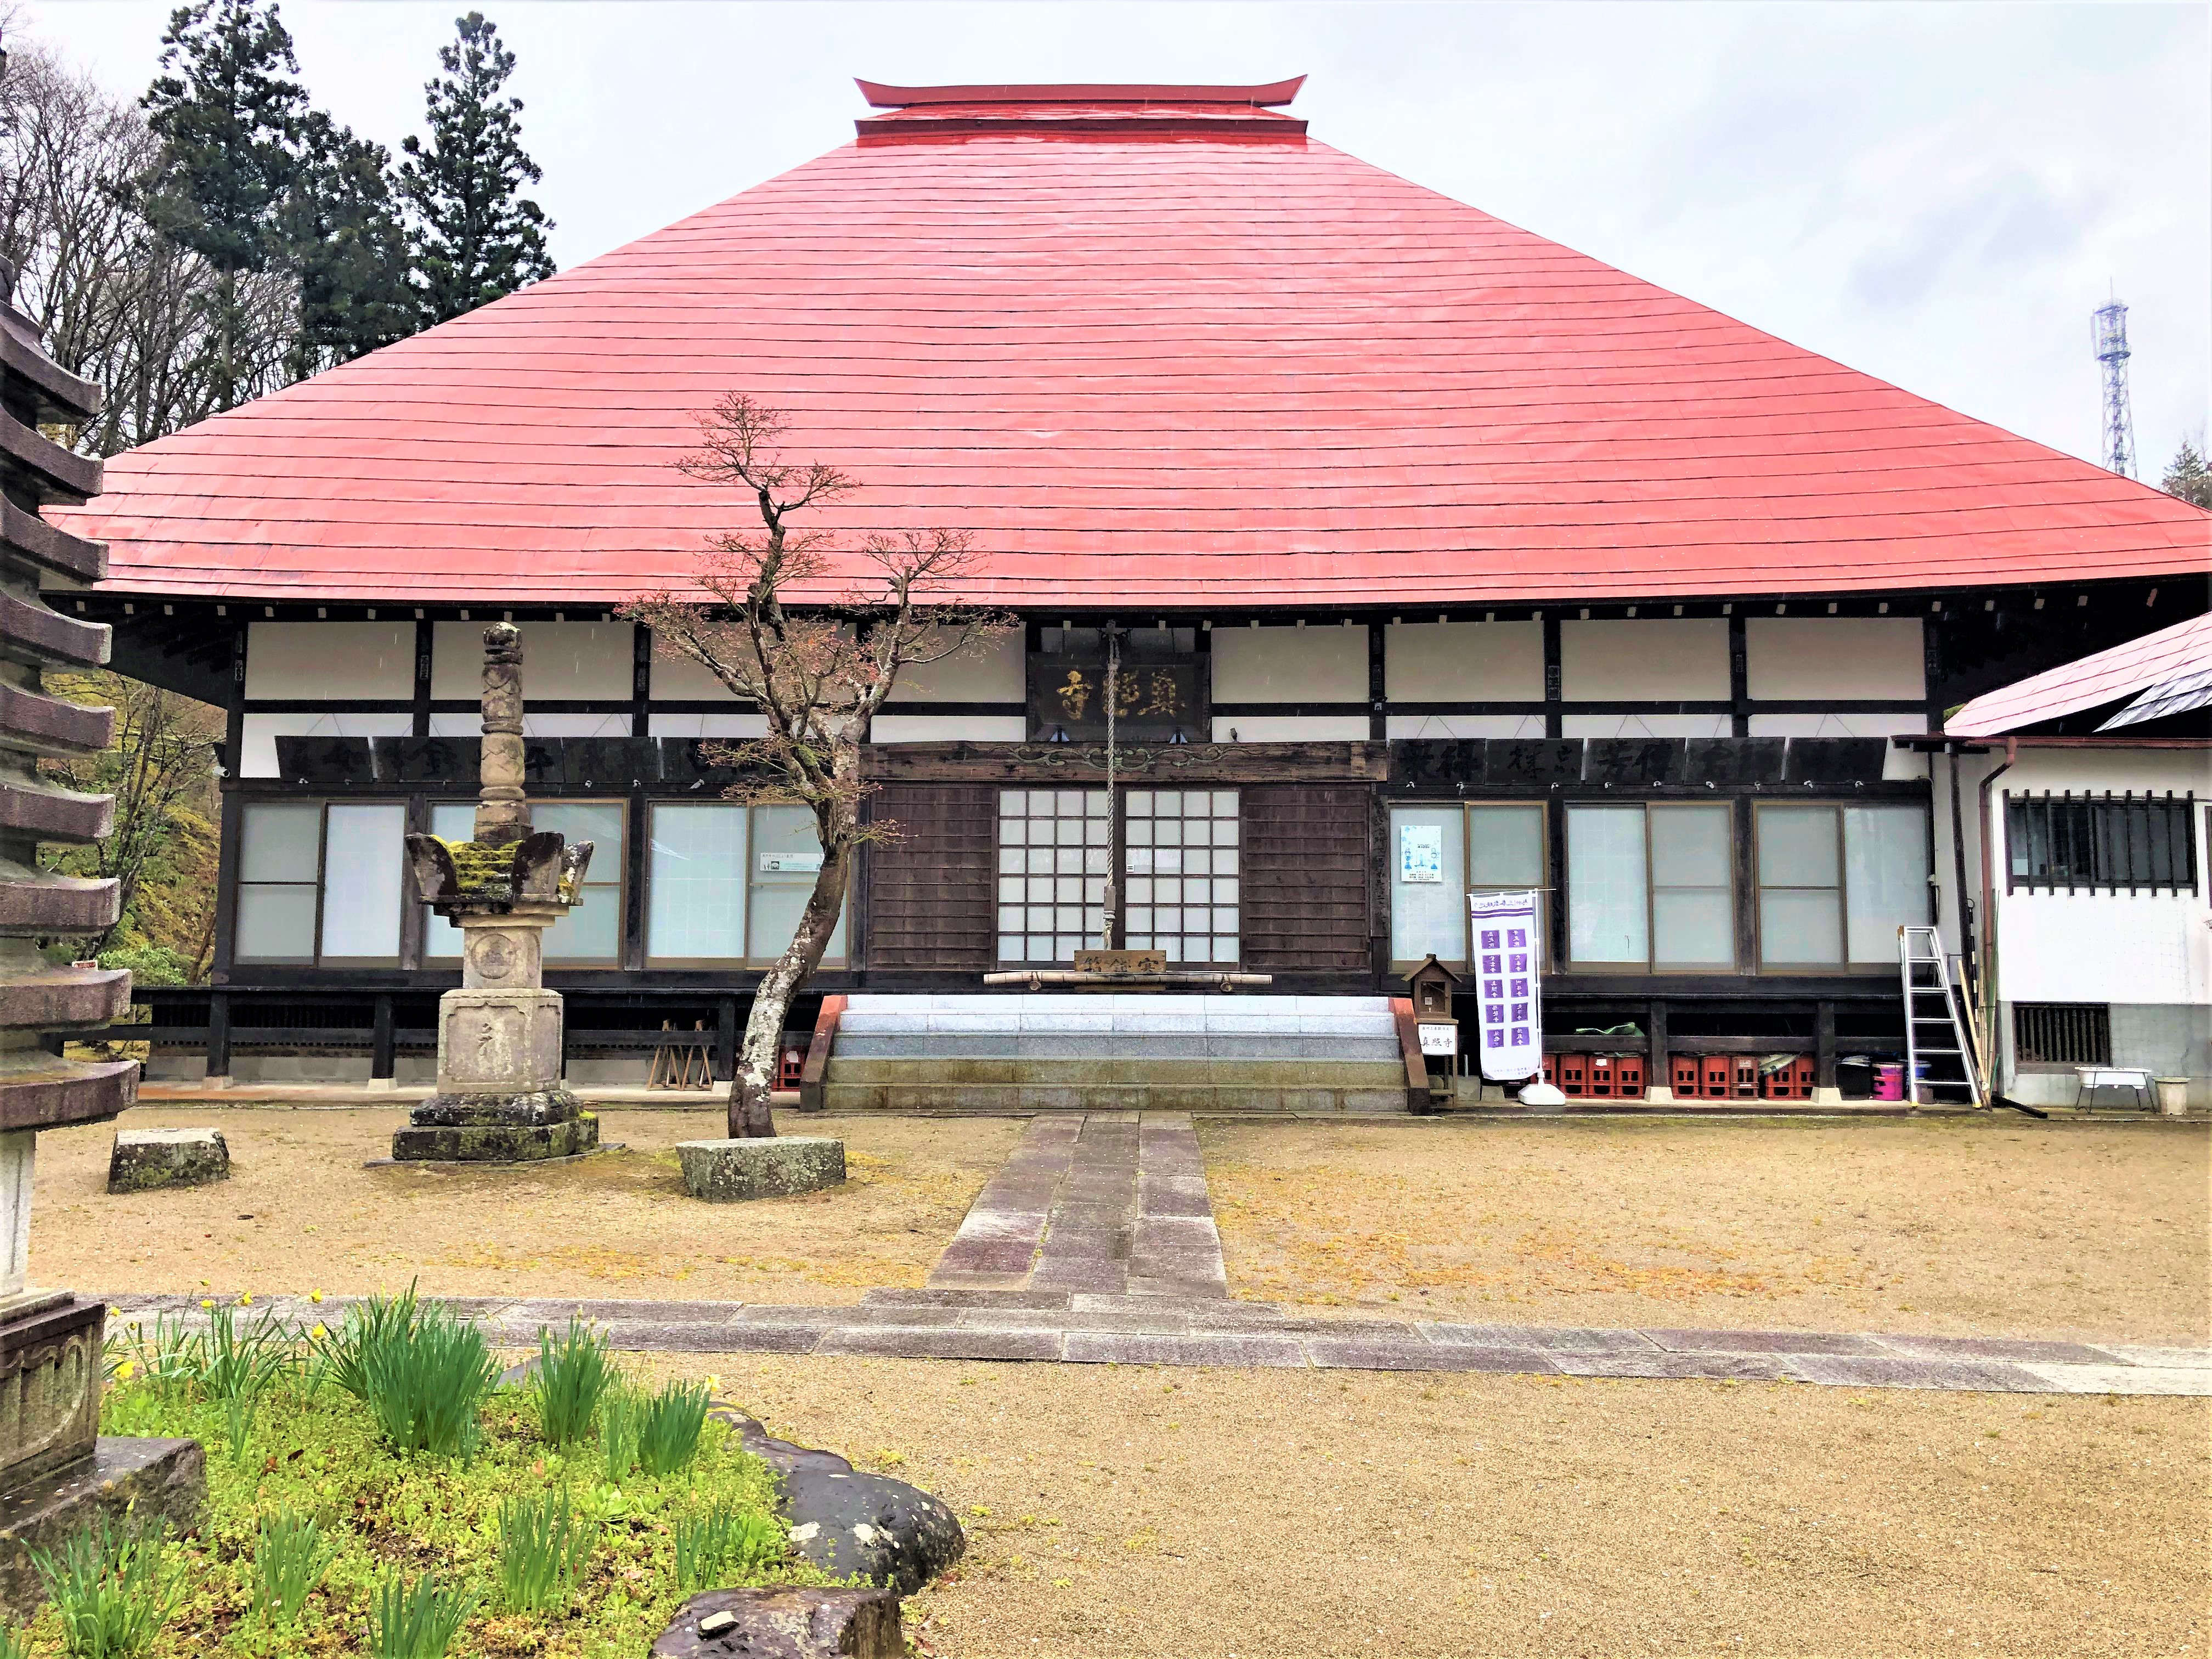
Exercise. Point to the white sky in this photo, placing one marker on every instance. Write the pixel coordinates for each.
(1936, 194)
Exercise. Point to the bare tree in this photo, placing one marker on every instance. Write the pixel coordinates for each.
(815, 636)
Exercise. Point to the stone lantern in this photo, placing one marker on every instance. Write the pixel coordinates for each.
(500, 1096)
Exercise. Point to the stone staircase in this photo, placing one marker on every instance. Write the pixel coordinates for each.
(1103, 1052)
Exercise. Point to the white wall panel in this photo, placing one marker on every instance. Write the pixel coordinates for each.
(1290, 728)
(1640, 659)
(327, 660)
(559, 659)
(990, 671)
(1465, 725)
(1643, 726)
(259, 747)
(709, 726)
(1833, 657)
(1321, 664)
(1462, 662)
(950, 728)
(1898, 764)
(678, 679)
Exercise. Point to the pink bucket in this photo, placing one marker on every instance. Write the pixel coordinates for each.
(1889, 1083)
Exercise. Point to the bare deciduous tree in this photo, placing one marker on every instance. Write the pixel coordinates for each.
(815, 636)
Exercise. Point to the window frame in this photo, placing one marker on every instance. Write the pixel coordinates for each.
(1847, 966)
(746, 874)
(316, 957)
(2180, 838)
(1651, 966)
(1403, 965)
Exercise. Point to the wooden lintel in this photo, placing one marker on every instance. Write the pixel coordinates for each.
(1080, 764)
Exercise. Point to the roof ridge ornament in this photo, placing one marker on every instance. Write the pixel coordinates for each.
(1268, 95)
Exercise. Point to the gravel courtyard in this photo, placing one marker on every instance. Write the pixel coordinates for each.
(1990, 1226)
(1272, 1514)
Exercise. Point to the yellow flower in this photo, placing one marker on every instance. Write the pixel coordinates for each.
(315, 1296)
(246, 1299)
(318, 1333)
(204, 1303)
(714, 1383)
(123, 1372)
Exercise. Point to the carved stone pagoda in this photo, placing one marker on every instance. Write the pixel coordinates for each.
(500, 1096)
(54, 1469)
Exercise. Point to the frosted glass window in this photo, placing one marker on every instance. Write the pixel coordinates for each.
(1054, 848)
(1505, 847)
(1608, 914)
(1885, 877)
(787, 858)
(1180, 860)
(593, 930)
(696, 886)
(364, 858)
(449, 821)
(1801, 913)
(1428, 883)
(279, 847)
(1692, 911)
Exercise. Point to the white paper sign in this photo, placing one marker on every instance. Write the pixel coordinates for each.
(786, 863)
(1439, 1039)
(1421, 851)
(1506, 985)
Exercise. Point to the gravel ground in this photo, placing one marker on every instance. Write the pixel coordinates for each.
(1129, 1510)
(302, 1213)
(1998, 1226)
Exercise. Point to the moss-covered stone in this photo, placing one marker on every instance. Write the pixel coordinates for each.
(481, 871)
(494, 1143)
(144, 1159)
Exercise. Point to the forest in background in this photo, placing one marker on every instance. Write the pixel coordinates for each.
(213, 240)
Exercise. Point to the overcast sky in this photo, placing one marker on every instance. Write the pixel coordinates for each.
(1939, 195)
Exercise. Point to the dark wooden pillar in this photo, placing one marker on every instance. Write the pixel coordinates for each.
(425, 638)
(1658, 1066)
(1554, 682)
(1824, 1046)
(1738, 679)
(725, 1038)
(380, 1043)
(1378, 703)
(218, 1034)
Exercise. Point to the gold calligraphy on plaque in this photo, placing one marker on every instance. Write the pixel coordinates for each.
(1074, 695)
(1148, 691)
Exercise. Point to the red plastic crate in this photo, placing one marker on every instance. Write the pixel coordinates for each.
(1602, 1078)
(1793, 1082)
(1688, 1082)
(1717, 1076)
(1628, 1078)
(791, 1066)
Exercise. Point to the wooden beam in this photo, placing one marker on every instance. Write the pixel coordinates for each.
(1077, 764)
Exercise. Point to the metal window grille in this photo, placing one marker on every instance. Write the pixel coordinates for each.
(2062, 1033)
(2102, 842)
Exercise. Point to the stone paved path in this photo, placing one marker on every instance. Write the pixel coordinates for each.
(1103, 1204)
(1094, 1243)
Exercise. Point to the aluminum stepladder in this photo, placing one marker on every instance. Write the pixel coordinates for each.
(1935, 1029)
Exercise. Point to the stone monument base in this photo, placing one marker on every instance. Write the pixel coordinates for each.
(769, 1166)
(143, 1159)
(496, 1129)
(156, 1481)
(51, 1360)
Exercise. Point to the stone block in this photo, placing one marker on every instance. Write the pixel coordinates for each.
(726, 1171)
(146, 1158)
(785, 1623)
(50, 1371)
(494, 1143)
(153, 1481)
(496, 1042)
(537, 1107)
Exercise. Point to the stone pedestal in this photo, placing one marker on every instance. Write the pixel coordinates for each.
(142, 1160)
(153, 1482)
(727, 1171)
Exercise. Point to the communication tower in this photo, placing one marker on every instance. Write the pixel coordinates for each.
(2109, 330)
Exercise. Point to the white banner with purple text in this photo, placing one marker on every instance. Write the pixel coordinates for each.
(1506, 959)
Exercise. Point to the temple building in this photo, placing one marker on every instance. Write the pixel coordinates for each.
(1448, 559)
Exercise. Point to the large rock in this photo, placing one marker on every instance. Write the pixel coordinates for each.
(846, 1521)
(146, 1483)
(146, 1158)
(785, 1623)
(725, 1171)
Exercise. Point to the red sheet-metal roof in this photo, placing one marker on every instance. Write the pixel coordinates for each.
(1203, 361)
(2184, 649)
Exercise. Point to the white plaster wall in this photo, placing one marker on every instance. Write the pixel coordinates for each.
(536, 725)
(1466, 726)
(1321, 664)
(320, 660)
(1290, 728)
(1833, 657)
(949, 728)
(1642, 726)
(672, 725)
(559, 659)
(1644, 659)
(1460, 662)
(990, 671)
(678, 679)
(1898, 764)
(2104, 947)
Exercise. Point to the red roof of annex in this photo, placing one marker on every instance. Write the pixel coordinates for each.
(1149, 345)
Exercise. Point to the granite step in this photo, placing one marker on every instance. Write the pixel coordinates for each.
(1224, 1073)
(1201, 1099)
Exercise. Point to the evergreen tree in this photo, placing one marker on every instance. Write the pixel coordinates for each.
(475, 237)
(228, 116)
(347, 248)
(2188, 477)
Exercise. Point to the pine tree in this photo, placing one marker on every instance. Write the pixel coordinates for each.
(347, 248)
(2188, 477)
(475, 237)
(228, 118)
